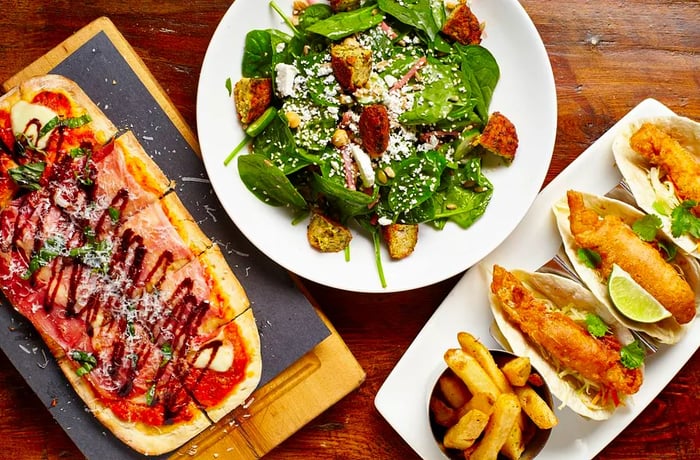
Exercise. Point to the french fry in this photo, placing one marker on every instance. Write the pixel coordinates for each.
(504, 416)
(443, 414)
(481, 401)
(467, 368)
(514, 446)
(454, 390)
(517, 370)
(465, 432)
(536, 408)
(472, 346)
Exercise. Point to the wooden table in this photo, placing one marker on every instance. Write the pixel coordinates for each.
(607, 57)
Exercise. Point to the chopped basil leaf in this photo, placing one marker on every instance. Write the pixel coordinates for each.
(28, 176)
(52, 248)
(589, 257)
(94, 254)
(55, 122)
(113, 214)
(87, 360)
(167, 351)
(647, 227)
(684, 221)
(229, 88)
(595, 325)
(78, 152)
(151, 395)
(632, 355)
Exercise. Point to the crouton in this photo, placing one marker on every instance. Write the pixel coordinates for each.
(326, 234)
(499, 137)
(462, 26)
(345, 5)
(374, 129)
(352, 64)
(252, 97)
(401, 239)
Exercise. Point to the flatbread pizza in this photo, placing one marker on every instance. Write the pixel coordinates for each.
(138, 306)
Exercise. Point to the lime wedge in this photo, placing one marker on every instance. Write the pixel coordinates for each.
(632, 300)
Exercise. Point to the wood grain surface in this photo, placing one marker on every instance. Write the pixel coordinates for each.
(607, 56)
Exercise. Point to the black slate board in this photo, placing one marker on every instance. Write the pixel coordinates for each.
(289, 326)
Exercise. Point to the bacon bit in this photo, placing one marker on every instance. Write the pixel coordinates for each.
(411, 72)
(425, 137)
(348, 167)
(386, 28)
(535, 379)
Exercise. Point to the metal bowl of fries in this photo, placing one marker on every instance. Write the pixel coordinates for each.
(489, 404)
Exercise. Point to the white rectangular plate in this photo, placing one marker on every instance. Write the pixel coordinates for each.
(403, 398)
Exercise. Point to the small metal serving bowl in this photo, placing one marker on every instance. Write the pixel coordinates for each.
(538, 438)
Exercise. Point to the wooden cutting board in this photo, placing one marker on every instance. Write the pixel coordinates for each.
(296, 395)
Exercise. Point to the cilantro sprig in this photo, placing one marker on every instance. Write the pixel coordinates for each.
(596, 326)
(632, 355)
(684, 221)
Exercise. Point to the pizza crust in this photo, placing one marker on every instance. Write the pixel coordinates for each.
(143, 438)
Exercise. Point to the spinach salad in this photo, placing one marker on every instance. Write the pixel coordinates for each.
(432, 93)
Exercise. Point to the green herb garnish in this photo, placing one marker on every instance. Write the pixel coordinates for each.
(52, 248)
(589, 257)
(632, 355)
(87, 360)
(151, 395)
(114, 214)
(55, 122)
(684, 221)
(647, 227)
(596, 326)
(167, 351)
(28, 176)
(94, 254)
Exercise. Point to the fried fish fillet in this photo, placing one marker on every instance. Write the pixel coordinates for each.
(616, 243)
(568, 343)
(680, 166)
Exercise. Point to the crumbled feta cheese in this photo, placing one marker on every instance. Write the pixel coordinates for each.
(364, 164)
(284, 81)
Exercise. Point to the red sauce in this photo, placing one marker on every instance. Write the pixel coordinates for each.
(58, 102)
(209, 387)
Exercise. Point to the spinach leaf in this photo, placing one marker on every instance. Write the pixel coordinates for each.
(267, 182)
(481, 70)
(463, 204)
(276, 143)
(314, 13)
(257, 54)
(442, 91)
(416, 180)
(343, 24)
(424, 15)
(349, 203)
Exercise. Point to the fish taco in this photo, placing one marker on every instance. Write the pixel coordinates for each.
(590, 361)
(600, 233)
(659, 158)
